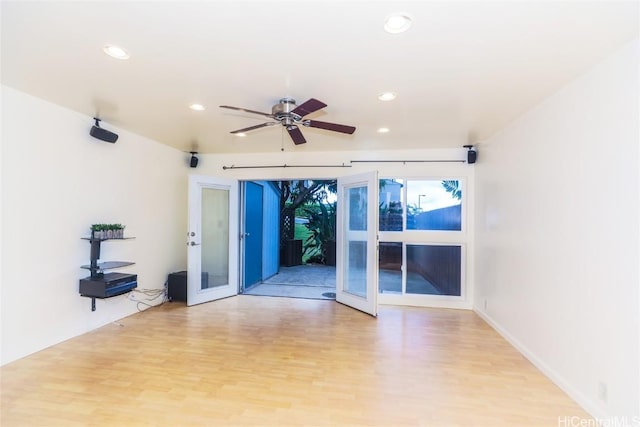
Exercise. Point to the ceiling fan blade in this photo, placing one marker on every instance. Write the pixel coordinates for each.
(308, 107)
(246, 111)
(261, 125)
(330, 126)
(296, 134)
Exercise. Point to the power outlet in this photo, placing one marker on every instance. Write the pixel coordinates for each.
(602, 391)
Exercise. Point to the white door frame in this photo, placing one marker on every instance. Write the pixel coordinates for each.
(369, 302)
(195, 293)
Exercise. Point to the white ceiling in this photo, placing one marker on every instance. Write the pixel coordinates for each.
(462, 71)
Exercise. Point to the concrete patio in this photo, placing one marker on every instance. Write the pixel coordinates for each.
(300, 281)
(317, 281)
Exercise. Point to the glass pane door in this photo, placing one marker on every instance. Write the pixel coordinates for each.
(213, 239)
(357, 224)
(355, 267)
(214, 253)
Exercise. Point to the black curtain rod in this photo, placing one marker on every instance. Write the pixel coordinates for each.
(408, 161)
(342, 165)
(285, 166)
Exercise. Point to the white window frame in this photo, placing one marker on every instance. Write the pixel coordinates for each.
(432, 238)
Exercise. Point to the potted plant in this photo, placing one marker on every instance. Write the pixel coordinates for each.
(107, 231)
(118, 231)
(96, 231)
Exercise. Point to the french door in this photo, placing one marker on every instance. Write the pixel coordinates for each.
(213, 267)
(357, 245)
(213, 239)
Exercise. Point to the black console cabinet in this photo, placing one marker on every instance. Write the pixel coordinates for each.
(105, 285)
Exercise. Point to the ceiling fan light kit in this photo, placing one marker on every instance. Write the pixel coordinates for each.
(290, 115)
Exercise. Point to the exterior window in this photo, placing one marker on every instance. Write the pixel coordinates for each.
(431, 205)
(434, 205)
(433, 270)
(390, 268)
(421, 238)
(391, 215)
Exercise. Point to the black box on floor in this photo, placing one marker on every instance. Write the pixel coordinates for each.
(177, 285)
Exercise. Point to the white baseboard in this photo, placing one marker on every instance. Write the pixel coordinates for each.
(425, 301)
(587, 404)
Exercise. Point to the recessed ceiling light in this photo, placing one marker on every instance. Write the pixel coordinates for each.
(116, 52)
(383, 130)
(387, 96)
(397, 23)
(197, 107)
(240, 134)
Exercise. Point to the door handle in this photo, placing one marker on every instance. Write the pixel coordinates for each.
(194, 244)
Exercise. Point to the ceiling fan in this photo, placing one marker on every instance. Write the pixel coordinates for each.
(290, 115)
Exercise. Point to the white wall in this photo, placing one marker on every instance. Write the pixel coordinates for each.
(557, 253)
(56, 182)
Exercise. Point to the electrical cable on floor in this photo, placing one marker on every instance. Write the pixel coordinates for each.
(151, 295)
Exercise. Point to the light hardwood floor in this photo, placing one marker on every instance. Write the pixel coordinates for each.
(252, 360)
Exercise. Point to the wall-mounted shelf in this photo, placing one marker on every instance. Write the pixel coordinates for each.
(108, 265)
(111, 238)
(105, 285)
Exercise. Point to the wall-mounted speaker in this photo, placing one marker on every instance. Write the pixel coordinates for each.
(102, 134)
(194, 160)
(472, 155)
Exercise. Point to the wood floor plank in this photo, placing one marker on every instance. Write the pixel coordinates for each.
(276, 361)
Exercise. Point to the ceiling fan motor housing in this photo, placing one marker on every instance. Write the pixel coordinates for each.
(282, 110)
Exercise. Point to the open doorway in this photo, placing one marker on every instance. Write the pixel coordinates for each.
(289, 238)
